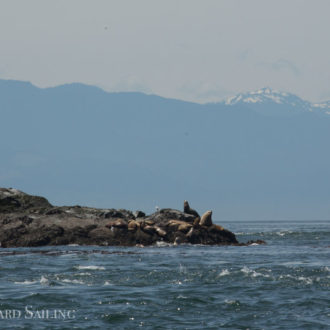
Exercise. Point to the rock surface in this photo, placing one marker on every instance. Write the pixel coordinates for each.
(27, 221)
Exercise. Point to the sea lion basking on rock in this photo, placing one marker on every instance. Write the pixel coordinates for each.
(188, 210)
(206, 219)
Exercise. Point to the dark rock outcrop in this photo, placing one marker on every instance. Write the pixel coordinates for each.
(27, 220)
(13, 200)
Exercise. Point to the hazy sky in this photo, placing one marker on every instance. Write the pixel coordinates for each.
(200, 50)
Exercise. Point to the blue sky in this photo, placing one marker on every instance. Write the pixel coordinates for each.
(193, 50)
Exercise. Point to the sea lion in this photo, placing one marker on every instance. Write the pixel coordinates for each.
(184, 227)
(160, 231)
(175, 223)
(179, 240)
(188, 210)
(133, 225)
(149, 222)
(206, 219)
(119, 223)
(196, 222)
(179, 225)
(149, 229)
(216, 229)
(190, 232)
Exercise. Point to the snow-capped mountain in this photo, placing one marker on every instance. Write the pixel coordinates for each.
(272, 102)
(324, 107)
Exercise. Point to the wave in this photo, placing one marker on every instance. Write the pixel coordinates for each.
(248, 271)
(224, 272)
(318, 277)
(232, 302)
(91, 267)
(43, 280)
(26, 282)
(305, 280)
(163, 244)
(83, 274)
(74, 281)
(302, 236)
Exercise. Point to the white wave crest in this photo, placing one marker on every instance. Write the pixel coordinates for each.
(306, 280)
(44, 280)
(90, 267)
(231, 302)
(284, 232)
(252, 273)
(163, 244)
(224, 272)
(26, 282)
(72, 281)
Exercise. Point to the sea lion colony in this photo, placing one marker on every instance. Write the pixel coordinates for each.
(27, 220)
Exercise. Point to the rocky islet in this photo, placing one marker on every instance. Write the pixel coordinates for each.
(28, 221)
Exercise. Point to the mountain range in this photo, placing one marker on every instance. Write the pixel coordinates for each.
(271, 102)
(259, 155)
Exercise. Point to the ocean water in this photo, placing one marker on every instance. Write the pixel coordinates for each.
(282, 285)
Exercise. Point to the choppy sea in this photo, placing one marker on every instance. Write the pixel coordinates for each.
(282, 285)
